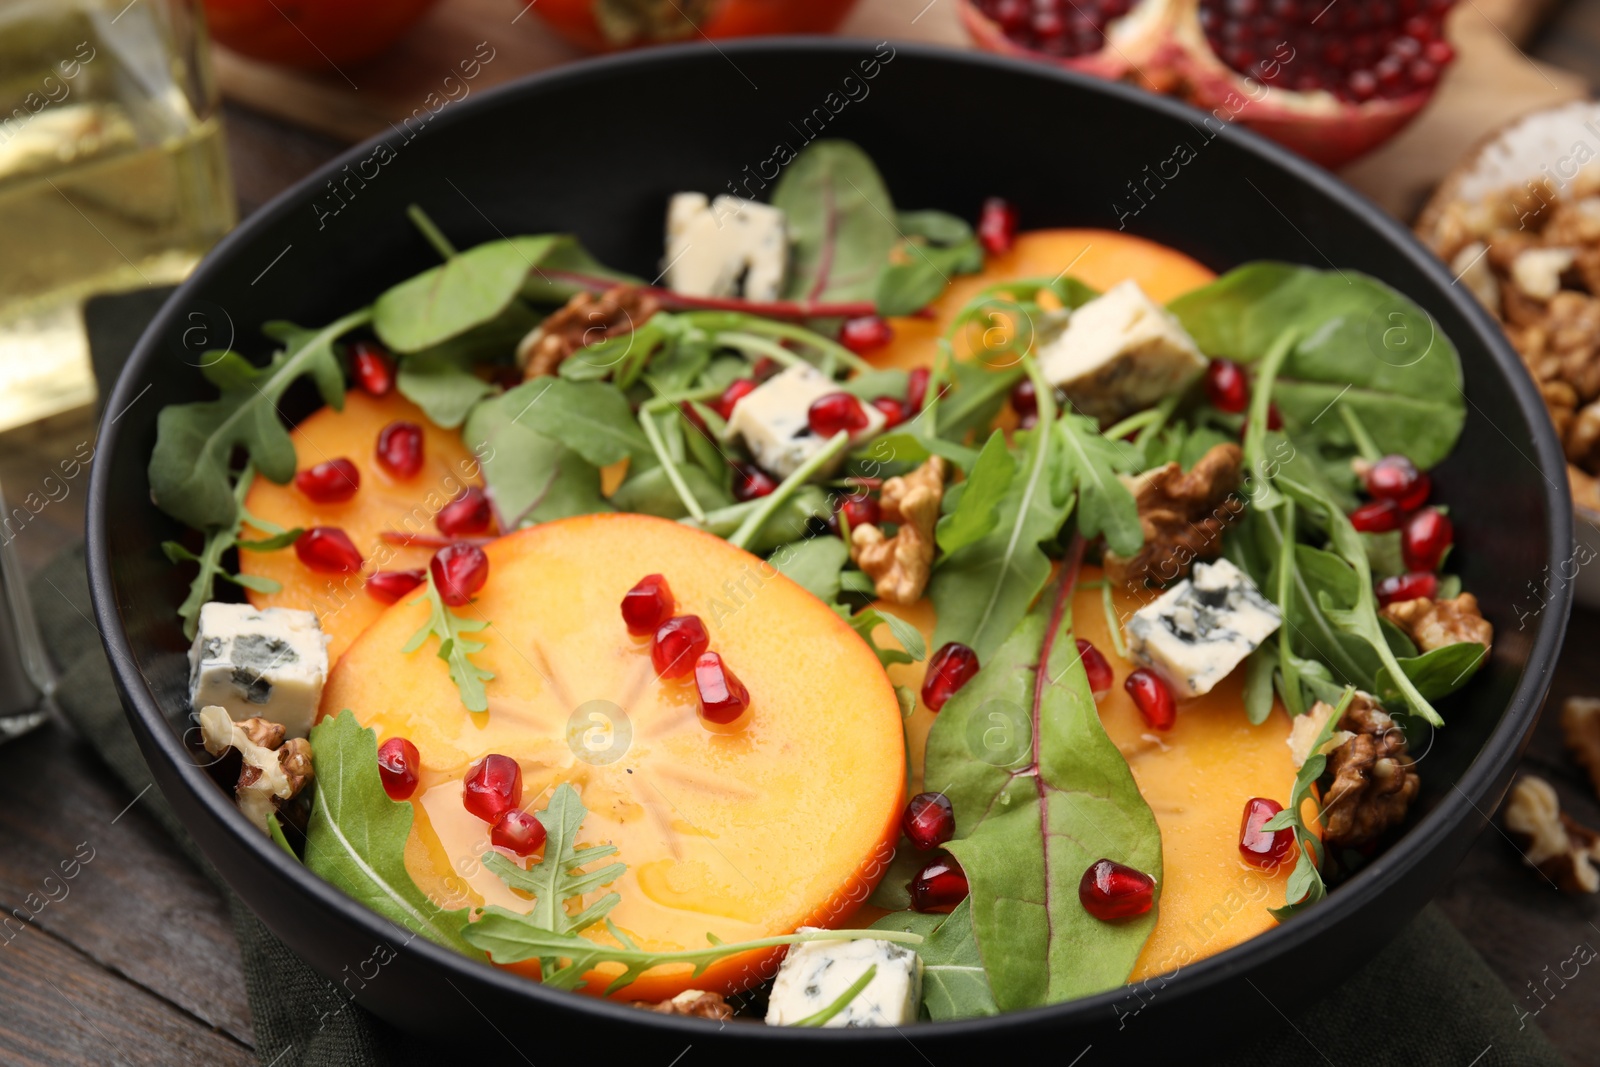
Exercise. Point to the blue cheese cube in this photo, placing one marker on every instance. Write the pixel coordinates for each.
(1198, 631)
(773, 425)
(259, 663)
(1120, 353)
(817, 973)
(725, 247)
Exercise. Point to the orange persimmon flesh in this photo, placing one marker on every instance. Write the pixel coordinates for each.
(383, 502)
(741, 833)
(1197, 776)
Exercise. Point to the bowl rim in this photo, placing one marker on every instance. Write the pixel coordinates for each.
(1501, 749)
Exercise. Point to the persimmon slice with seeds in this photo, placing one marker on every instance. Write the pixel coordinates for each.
(783, 819)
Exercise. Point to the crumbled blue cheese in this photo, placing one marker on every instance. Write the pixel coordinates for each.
(816, 973)
(1120, 353)
(1198, 631)
(772, 420)
(725, 247)
(259, 663)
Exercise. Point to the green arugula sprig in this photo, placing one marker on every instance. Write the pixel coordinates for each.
(1305, 886)
(455, 647)
(510, 938)
(842, 1001)
(218, 541)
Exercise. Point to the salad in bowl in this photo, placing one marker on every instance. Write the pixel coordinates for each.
(876, 617)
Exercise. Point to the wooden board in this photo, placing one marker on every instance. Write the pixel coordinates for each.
(1491, 82)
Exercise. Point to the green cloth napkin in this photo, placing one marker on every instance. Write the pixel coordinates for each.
(1427, 1000)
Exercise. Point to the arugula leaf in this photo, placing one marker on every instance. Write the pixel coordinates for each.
(1105, 504)
(1435, 674)
(558, 876)
(1305, 886)
(813, 563)
(1054, 776)
(841, 222)
(1362, 344)
(218, 541)
(593, 419)
(907, 287)
(275, 831)
(865, 621)
(455, 647)
(356, 839)
(189, 476)
(512, 938)
(531, 478)
(442, 387)
(940, 227)
(1357, 615)
(974, 400)
(650, 492)
(982, 591)
(954, 985)
(978, 511)
(476, 287)
(790, 522)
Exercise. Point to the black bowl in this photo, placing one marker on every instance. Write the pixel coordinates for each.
(596, 149)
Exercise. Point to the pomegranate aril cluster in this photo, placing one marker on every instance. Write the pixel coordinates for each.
(1056, 27)
(1358, 50)
(680, 645)
(1399, 502)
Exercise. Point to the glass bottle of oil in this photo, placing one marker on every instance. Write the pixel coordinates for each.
(112, 176)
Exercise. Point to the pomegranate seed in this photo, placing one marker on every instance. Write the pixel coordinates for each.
(834, 412)
(1363, 84)
(929, 821)
(1025, 399)
(678, 644)
(459, 571)
(1401, 587)
(518, 831)
(467, 514)
(1424, 538)
(865, 333)
(894, 411)
(723, 698)
(764, 368)
(328, 549)
(1274, 420)
(1263, 848)
(950, 668)
(647, 605)
(1227, 386)
(374, 370)
(492, 787)
(917, 388)
(1396, 478)
(1376, 516)
(750, 481)
(940, 884)
(1438, 53)
(390, 586)
(861, 510)
(329, 482)
(1096, 667)
(1110, 891)
(736, 391)
(398, 763)
(400, 449)
(997, 223)
(1153, 698)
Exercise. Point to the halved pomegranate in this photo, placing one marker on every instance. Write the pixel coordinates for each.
(1329, 81)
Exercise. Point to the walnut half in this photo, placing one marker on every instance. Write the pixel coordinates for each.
(899, 565)
(693, 1002)
(1182, 516)
(1374, 780)
(1434, 624)
(274, 770)
(1580, 727)
(585, 320)
(1560, 848)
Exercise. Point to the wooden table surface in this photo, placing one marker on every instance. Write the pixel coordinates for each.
(135, 962)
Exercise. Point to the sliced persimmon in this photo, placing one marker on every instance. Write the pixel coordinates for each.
(1098, 258)
(383, 503)
(781, 820)
(1196, 777)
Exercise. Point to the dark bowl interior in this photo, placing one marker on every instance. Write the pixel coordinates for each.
(596, 149)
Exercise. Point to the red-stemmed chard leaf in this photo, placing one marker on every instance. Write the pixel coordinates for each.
(1040, 792)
